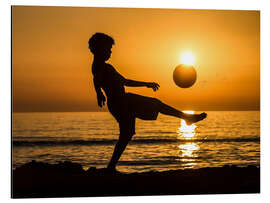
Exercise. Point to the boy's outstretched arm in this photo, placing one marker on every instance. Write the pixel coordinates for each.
(100, 96)
(134, 83)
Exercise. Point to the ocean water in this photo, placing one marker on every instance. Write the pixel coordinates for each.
(88, 138)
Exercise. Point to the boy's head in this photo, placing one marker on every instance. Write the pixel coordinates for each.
(100, 45)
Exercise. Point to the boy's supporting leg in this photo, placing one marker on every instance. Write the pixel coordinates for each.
(118, 150)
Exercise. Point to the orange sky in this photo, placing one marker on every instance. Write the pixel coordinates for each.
(52, 65)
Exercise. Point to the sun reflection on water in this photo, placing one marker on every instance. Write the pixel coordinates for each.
(187, 154)
(187, 150)
(186, 131)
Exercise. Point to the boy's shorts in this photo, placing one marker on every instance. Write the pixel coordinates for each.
(135, 106)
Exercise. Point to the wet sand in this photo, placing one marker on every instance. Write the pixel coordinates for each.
(67, 179)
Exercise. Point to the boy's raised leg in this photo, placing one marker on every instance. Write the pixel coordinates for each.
(189, 118)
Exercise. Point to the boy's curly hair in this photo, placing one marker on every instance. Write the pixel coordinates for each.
(99, 41)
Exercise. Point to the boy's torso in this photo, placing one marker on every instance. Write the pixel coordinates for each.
(109, 80)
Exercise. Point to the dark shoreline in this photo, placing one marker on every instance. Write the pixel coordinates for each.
(37, 180)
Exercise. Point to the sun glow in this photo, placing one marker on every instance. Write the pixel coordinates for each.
(187, 58)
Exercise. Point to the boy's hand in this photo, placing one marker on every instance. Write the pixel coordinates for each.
(153, 85)
(101, 100)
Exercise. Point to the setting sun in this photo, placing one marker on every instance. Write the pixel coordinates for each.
(187, 58)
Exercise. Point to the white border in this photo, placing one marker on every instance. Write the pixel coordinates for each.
(190, 4)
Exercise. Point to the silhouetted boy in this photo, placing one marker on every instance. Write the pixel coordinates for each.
(125, 107)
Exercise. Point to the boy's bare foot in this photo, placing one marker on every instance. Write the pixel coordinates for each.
(189, 118)
(103, 171)
(112, 171)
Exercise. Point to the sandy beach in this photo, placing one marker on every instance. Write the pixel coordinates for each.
(67, 179)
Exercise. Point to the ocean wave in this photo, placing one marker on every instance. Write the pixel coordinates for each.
(113, 141)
